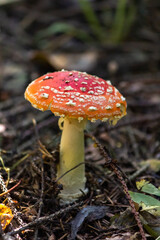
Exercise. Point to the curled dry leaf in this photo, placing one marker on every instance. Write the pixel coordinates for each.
(88, 213)
(81, 61)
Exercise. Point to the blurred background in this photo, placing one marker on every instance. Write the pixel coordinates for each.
(117, 40)
(114, 39)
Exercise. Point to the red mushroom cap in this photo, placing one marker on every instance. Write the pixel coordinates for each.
(76, 94)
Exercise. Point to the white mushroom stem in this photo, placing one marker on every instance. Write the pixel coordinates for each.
(71, 157)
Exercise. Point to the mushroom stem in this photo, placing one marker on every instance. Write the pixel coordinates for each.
(71, 155)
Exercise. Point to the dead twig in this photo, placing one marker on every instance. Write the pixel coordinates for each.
(138, 172)
(44, 219)
(2, 194)
(112, 164)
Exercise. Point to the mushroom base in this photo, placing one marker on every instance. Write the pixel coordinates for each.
(70, 198)
(71, 168)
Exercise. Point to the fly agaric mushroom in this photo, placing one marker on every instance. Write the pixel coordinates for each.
(76, 97)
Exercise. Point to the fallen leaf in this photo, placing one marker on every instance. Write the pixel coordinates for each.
(88, 213)
(78, 61)
(6, 215)
(123, 220)
(81, 61)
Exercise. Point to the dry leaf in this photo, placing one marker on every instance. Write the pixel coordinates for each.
(88, 213)
(154, 164)
(6, 215)
(81, 61)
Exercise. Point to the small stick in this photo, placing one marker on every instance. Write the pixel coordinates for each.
(138, 172)
(2, 194)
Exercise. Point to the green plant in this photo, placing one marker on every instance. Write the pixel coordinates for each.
(149, 206)
(122, 22)
(64, 28)
(113, 31)
(92, 19)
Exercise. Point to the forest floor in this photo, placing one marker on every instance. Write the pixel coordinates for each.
(29, 139)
